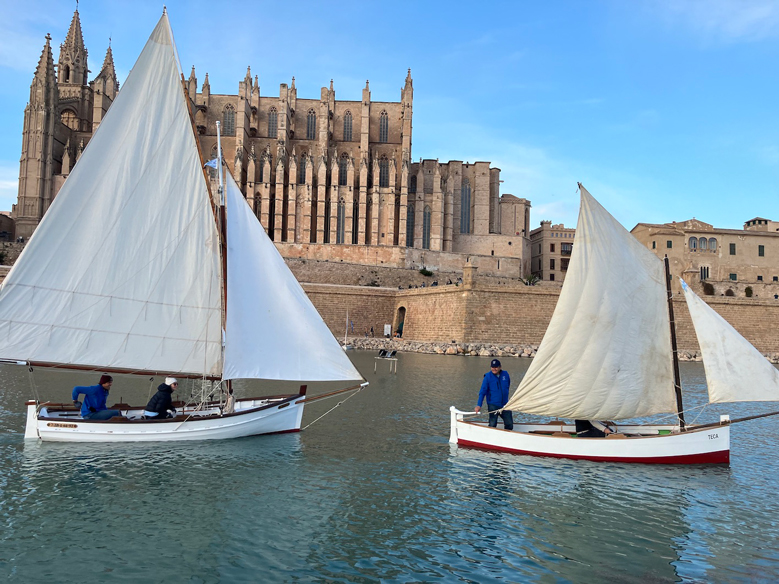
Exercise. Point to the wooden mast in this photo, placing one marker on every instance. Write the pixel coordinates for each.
(674, 350)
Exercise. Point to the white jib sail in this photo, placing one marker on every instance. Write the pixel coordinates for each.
(607, 351)
(123, 270)
(273, 330)
(735, 370)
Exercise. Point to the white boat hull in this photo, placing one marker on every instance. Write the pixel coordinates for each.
(57, 423)
(648, 444)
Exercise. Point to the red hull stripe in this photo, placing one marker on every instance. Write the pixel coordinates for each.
(720, 457)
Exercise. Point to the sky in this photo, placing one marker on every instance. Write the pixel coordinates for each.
(663, 110)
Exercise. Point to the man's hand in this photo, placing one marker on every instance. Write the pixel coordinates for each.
(477, 409)
(93, 410)
(77, 403)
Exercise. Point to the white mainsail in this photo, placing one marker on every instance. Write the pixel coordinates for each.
(273, 331)
(607, 351)
(123, 270)
(735, 370)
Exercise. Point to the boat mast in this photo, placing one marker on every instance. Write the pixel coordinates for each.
(674, 350)
(223, 238)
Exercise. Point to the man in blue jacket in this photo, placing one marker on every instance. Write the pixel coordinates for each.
(94, 406)
(495, 388)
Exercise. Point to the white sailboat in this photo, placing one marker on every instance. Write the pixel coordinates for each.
(133, 270)
(609, 353)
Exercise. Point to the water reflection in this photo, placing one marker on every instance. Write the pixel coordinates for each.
(375, 491)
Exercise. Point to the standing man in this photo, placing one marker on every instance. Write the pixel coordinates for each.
(94, 407)
(495, 388)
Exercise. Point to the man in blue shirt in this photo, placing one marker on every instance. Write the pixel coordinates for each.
(94, 406)
(495, 388)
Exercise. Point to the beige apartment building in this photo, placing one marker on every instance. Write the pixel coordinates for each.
(729, 259)
(550, 248)
(328, 179)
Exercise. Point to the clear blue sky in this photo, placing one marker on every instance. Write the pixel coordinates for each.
(664, 110)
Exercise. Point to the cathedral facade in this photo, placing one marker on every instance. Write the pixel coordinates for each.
(323, 175)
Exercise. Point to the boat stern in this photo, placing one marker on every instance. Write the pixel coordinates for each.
(31, 426)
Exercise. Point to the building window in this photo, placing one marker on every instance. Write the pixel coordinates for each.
(551, 277)
(302, 169)
(761, 250)
(228, 121)
(311, 125)
(413, 186)
(566, 248)
(732, 249)
(273, 123)
(564, 264)
(339, 237)
(704, 272)
(551, 247)
(669, 244)
(551, 264)
(410, 226)
(383, 172)
(654, 245)
(776, 278)
(348, 126)
(343, 165)
(465, 206)
(703, 244)
(383, 127)
(69, 118)
(426, 219)
(712, 244)
(733, 276)
(693, 244)
(760, 278)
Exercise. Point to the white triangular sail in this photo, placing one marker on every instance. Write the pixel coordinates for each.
(273, 330)
(607, 351)
(735, 370)
(123, 270)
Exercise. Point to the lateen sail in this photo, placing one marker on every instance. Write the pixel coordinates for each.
(273, 330)
(123, 270)
(735, 370)
(607, 351)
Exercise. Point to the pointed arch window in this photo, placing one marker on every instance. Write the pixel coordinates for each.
(311, 125)
(348, 126)
(273, 123)
(383, 126)
(410, 226)
(383, 172)
(69, 118)
(413, 187)
(228, 120)
(465, 206)
(426, 219)
(302, 169)
(341, 222)
(343, 167)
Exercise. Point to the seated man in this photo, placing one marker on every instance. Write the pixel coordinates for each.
(591, 429)
(94, 406)
(161, 402)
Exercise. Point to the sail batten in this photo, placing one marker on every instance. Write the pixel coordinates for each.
(606, 353)
(735, 370)
(123, 265)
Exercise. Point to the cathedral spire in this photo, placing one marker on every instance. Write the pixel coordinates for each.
(409, 82)
(44, 72)
(73, 55)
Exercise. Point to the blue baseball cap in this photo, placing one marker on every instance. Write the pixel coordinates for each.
(495, 363)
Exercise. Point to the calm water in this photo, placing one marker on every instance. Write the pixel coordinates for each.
(375, 492)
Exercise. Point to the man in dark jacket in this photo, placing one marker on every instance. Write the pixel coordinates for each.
(161, 402)
(94, 406)
(495, 387)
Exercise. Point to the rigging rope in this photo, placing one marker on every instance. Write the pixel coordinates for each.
(32, 384)
(356, 391)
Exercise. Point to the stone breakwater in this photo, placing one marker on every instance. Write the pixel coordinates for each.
(480, 349)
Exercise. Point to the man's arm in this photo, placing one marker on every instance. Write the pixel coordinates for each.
(482, 393)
